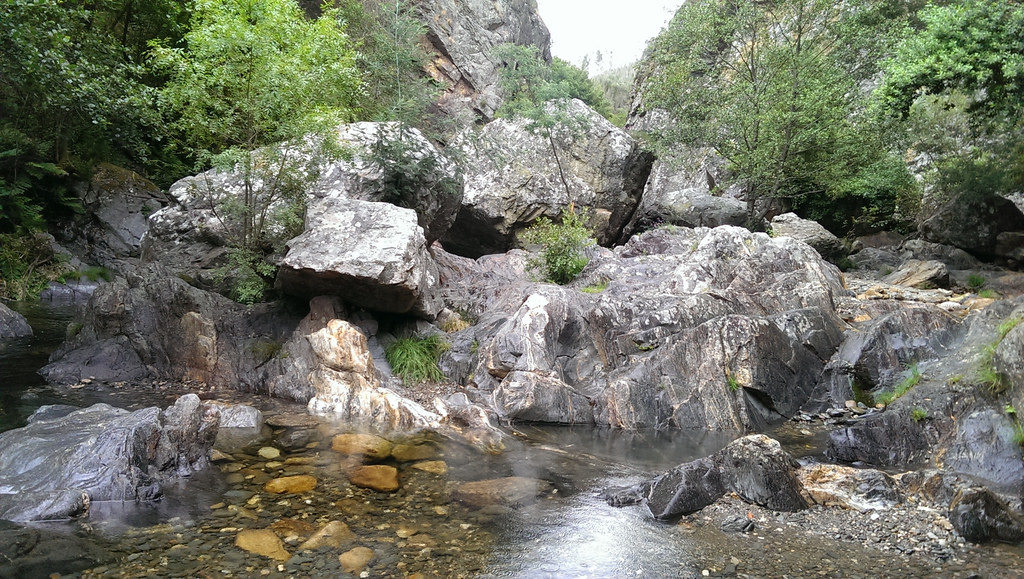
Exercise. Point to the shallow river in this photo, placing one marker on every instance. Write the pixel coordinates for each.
(568, 531)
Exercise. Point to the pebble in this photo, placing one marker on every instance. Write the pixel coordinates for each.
(355, 560)
(269, 452)
(291, 484)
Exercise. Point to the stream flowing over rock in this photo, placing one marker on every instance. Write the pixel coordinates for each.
(463, 35)
(13, 324)
(706, 328)
(514, 176)
(53, 468)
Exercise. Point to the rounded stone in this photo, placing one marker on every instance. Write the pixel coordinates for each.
(262, 542)
(365, 445)
(291, 484)
(355, 560)
(269, 452)
(377, 477)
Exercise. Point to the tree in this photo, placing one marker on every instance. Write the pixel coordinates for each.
(254, 77)
(959, 84)
(771, 87)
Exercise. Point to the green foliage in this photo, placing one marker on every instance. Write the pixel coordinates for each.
(264, 349)
(975, 282)
(415, 359)
(1018, 433)
(247, 275)
(617, 87)
(734, 384)
(986, 373)
(27, 265)
(595, 288)
(912, 379)
(1007, 326)
(1009, 410)
(989, 294)
(528, 83)
(405, 169)
(918, 414)
(771, 88)
(562, 246)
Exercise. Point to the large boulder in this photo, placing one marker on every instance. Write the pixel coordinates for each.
(755, 467)
(116, 204)
(152, 325)
(810, 232)
(379, 162)
(707, 328)
(103, 453)
(673, 196)
(513, 177)
(980, 224)
(13, 324)
(371, 254)
(463, 35)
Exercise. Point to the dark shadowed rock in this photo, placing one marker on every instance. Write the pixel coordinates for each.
(31, 552)
(983, 446)
(104, 453)
(974, 223)
(513, 177)
(886, 439)
(754, 467)
(13, 324)
(980, 517)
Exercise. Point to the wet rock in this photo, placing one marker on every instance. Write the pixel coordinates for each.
(293, 420)
(286, 528)
(438, 467)
(984, 446)
(979, 516)
(809, 232)
(366, 446)
(294, 439)
(920, 274)
(269, 452)
(532, 397)
(738, 524)
(754, 467)
(513, 178)
(502, 491)
(291, 484)
(262, 542)
(377, 477)
(237, 415)
(371, 254)
(333, 534)
(43, 505)
(355, 560)
(886, 439)
(51, 412)
(413, 452)
(848, 488)
(105, 452)
(13, 324)
(36, 552)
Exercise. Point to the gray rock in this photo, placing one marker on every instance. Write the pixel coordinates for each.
(116, 204)
(973, 223)
(35, 552)
(237, 415)
(849, 488)
(874, 259)
(512, 178)
(51, 412)
(920, 274)
(13, 324)
(983, 446)
(105, 452)
(463, 35)
(371, 254)
(953, 257)
(149, 324)
(980, 517)
(809, 232)
(754, 467)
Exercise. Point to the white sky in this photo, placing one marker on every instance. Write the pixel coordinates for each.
(619, 29)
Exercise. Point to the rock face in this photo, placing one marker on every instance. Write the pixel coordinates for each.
(979, 516)
(672, 196)
(32, 552)
(920, 274)
(381, 165)
(754, 467)
(982, 225)
(152, 325)
(13, 324)
(372, 254)
(463, 35)
(809, 232)
(707, 328)
(117, 203)
(104, 453)
(513, 177)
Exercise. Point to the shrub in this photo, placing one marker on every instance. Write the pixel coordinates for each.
(415, 359)
(975, 282)
(904, 386)
(27, 265)
(988, 294)
(562, 246)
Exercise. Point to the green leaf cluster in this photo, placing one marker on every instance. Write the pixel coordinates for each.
(562, 256)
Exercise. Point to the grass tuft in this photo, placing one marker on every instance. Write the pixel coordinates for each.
(902, 388)
(595, 288)
(415, 359)
(975, 282)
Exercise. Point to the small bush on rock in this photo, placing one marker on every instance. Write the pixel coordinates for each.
(415, 359)
(562, 245)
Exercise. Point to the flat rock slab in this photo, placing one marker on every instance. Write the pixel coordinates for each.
(512, 490)
(293, 420)
(363, 445)
(262, 542)
(291, 484)
(377, 477)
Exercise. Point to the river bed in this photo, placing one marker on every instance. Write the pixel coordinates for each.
(423, 530)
